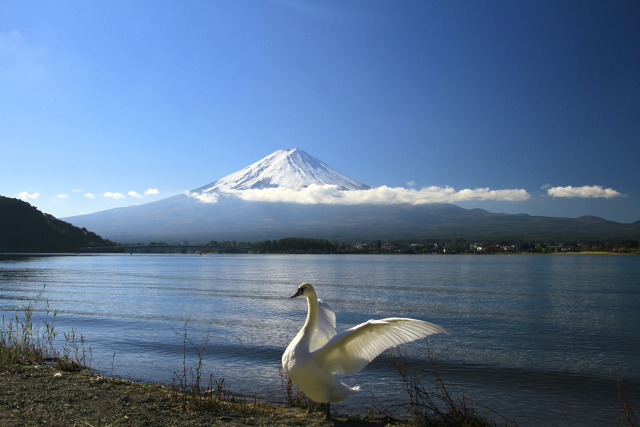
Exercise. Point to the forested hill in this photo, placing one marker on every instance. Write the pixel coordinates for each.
(24, 228)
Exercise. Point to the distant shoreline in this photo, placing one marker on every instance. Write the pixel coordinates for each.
(10, 254)
(590, 253)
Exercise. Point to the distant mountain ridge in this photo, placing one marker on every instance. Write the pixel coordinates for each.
(24, 228)
(214, 212)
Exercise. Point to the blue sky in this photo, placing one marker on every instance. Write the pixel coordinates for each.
(102, 102)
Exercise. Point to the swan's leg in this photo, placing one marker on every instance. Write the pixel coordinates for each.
(313, 406)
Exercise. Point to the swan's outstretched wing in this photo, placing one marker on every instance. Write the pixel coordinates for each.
(326, 328)
(351, 350)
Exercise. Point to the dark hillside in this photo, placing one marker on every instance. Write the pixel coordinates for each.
(24, 228)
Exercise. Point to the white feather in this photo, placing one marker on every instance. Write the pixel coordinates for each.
(350, 351)
(326, 327)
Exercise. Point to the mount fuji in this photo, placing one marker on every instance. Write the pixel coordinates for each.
(262, 202)
(293, 169)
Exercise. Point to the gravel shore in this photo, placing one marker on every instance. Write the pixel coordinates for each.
(41, 395)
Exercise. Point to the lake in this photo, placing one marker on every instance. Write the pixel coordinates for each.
(540, 339)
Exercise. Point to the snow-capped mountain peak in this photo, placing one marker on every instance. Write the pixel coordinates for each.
(294, 169)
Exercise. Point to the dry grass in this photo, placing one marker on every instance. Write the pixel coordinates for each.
(293, 396)
(433, 405)
(188, 388)
(626, 414)
(31, 337)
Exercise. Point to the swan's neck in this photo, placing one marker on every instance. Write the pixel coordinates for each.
(312, 320)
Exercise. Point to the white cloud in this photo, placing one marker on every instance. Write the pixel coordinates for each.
(26, 196)
(89, 196)
(586, 191)
(77, 190)
(111, 195)
(204, 197)
(411, 183)
(380, 195)
(132, 193)
(61, 196)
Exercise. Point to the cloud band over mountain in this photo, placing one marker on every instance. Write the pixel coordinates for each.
(294, 176)
(331, 194)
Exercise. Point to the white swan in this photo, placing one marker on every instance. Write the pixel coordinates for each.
(317, 354)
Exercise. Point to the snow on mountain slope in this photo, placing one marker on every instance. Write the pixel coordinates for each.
(293, 169)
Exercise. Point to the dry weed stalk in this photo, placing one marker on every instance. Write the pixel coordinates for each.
(626, 413)
(434, 406)
(292, 394)
(187, 385)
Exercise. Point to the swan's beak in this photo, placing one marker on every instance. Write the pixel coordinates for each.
(297, 294)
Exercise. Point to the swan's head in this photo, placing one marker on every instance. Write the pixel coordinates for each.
(306, 290)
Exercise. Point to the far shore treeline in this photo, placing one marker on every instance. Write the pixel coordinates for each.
(23, 228)
(302, 245)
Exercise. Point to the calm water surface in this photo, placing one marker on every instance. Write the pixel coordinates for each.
(540, 339)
